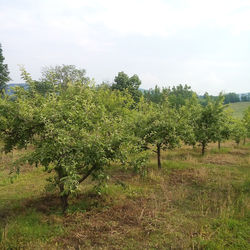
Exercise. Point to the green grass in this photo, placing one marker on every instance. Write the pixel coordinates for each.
(231, 234)
(239, 108)
(194, 202)
(30, 228)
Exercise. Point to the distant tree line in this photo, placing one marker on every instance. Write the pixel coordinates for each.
(233, 97)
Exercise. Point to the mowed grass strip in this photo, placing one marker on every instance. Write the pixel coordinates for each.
(193, 203)
(239, 108)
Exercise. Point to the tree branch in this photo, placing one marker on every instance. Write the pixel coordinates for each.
(87, 174)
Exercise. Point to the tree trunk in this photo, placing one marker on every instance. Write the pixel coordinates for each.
(64, 198)
(244, 141)
(64, 202)
(159, 155)
(218, 144)
(203, 148)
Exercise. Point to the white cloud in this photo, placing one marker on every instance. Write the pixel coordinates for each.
(140, 17)
(185, 41)
(164, 18)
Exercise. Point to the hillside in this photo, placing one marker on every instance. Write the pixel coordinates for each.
(239, 108)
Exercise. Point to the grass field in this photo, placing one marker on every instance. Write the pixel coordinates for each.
(239, 108)
(194, 202)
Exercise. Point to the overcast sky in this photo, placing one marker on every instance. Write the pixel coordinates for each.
(202, 43)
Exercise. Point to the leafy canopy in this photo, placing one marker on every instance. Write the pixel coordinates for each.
(158, 125)
(246, 121)
(123, 82)
(75, 132)
(208, 120)
(239, 130)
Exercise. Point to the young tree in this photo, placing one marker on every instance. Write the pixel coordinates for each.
(207, 121)
(239, 131)
(190, 113)
(224, 127)
(246, 121)
(75, 132)
(4, 72)
(158, 125)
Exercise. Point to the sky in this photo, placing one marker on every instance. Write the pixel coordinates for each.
(204, 44)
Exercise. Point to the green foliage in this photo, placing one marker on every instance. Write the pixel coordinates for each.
(156, 95)
(75, 132)
(246, 121)
(83, 130)
(245, 97)
(158, 125)
(239, 130)
(209, 122)
(123, 82)
(178, 95)
(4, 72)
(224, 126)
(231, 98)
(189, 114)
(43, 87)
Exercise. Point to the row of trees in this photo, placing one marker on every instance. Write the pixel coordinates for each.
(77, 129)
(233, 97)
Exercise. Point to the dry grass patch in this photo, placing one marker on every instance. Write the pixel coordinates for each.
(221, 159)
(188, 176)
(105, 229)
